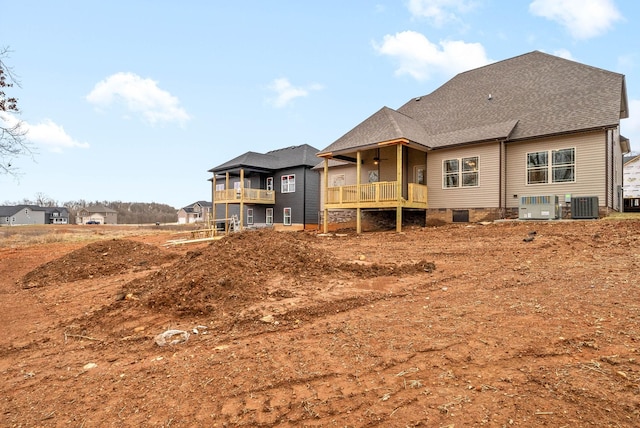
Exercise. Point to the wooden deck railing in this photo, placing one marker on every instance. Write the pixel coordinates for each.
(245, 195)
(372, 194)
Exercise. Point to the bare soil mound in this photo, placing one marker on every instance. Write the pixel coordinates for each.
(99, 259)
(244, 269)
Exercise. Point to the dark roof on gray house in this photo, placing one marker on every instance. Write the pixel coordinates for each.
(302, 155)
(189, 208)
(6, 211)
(531, 95)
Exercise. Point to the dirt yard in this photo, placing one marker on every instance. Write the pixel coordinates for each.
(513, 324)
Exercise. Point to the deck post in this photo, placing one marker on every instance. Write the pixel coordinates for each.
(241, 198)
(325, 216)
(358, 209)
(226, 206)
(399, 187)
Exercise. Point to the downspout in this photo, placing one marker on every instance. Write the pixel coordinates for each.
(502, 188)
(304, 198)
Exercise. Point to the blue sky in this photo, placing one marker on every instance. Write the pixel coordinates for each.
(136, 100)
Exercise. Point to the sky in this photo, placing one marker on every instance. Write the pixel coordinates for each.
(136, 100)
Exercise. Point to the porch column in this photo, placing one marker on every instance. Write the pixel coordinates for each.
(241, 198)
(358, 182)
(325, 215)
(213, 203)
(226, 205)
(399, 187)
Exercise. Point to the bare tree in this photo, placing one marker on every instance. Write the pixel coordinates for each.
(13, 142)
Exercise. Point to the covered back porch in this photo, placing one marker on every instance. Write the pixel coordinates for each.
(386, 175)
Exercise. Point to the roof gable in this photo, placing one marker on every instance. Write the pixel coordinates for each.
(384, 125)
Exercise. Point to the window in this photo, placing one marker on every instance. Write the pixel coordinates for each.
(269, 183)
(269, 215)
(287, 217)
(288, 184)
(460, 172)
(418, 174)
(560, 165)
(220, 187)
(249, 215)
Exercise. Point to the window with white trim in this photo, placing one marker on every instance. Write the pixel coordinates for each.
(461, 172)
(288, 183)
(287, 217)
(551, 166)
(220, 187)
(249, 215)
(269, 183)
(269, 216)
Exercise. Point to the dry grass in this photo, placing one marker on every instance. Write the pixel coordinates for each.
(18, 236)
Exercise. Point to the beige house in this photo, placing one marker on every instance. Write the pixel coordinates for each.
(483, 142)
(97, 214)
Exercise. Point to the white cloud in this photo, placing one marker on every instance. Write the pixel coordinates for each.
(420, 58)
(139, 96)
(286, 92)
(439, 12)
(564, 53)
(46, 134)
(582, 18)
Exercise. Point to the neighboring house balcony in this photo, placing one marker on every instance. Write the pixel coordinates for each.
(244, 195)
(385, 194)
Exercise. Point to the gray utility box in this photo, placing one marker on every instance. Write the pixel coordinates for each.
(541, 207)
(584, 207)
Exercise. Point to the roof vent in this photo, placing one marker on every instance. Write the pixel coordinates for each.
(418, 98)
(490, 97)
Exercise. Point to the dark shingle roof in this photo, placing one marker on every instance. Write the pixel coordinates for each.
(384, 125)
(531, 95)
(273, 160)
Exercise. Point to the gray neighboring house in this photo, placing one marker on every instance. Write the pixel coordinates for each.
(485, 141)
(33, 214)
(276, 189)
(195, 213)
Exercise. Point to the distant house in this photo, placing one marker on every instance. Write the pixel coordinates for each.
(32, 214)
(194, 213)
(632, 183)
(485, 141)
(275, 189)
(97, 213)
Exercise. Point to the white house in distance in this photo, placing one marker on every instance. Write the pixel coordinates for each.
(632, 183)
(195, 213)
(531, 126)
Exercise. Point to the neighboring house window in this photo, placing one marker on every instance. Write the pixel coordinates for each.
(249, 215)
(288, 184)
(55, 214)
(269, 183)
(269, 215)
(287, 217)
(461, 172)
(220, 186)
(555, 166)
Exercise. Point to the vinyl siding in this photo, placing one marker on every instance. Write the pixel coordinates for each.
(590, 171)
(485, 195)
(349, 172)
